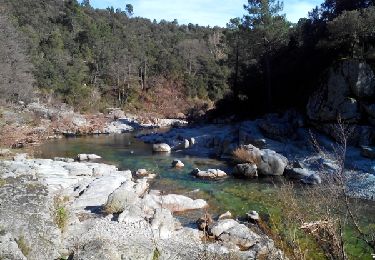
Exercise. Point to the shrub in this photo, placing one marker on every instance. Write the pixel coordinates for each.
(61, 214)
(242, 155)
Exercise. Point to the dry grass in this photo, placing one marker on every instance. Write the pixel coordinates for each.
(242, 155)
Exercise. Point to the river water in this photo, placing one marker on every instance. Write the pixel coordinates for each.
(236, 195)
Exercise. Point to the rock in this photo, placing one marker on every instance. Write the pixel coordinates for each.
(121, 198)
(204, 222)
(9, 249)
(370, 110)
(260, 142)
(226, 215)
(116, 113)
(177, 164)
(361, 79)
(272, 163)
(368, 152)
(141, 186)
(241, 236)
(173, 202)
(209, 174)
(344, 80)
(98, 248)
(161, 148)
(254, 152)
(20, 157)
(186, 144)
(131, 214)
(87, 157)
(218, 228)
(253, 215)
(163, 223)
(98, 191)
(297, 173)
(248, 170)
(141, 173)
(312, 179)
(62, 159)
(5, 152)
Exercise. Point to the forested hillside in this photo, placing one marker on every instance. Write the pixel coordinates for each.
(90, 57)
(277, 65)
(95, 58)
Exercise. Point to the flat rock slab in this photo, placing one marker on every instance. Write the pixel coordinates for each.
(97, 192)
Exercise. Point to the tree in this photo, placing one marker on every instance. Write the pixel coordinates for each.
(86, 3)
(268, 32)
(16, 79)
(129, 10)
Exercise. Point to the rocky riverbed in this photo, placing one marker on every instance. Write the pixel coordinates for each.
(86, 210)
(283, 146)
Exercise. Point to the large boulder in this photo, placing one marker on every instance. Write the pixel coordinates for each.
(272, 163)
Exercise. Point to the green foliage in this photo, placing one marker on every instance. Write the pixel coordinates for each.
(77, 49)
(156, 255)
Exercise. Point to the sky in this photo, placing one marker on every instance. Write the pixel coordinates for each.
(202, 12)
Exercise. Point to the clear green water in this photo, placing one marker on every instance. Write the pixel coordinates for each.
(236, 195)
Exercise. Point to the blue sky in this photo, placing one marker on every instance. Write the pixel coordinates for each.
(202, 12)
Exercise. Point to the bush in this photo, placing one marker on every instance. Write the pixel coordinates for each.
(242, 155)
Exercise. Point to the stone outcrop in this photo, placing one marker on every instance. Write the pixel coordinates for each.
(341, 93)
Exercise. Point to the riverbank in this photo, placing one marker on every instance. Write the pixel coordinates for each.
(58, 208)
